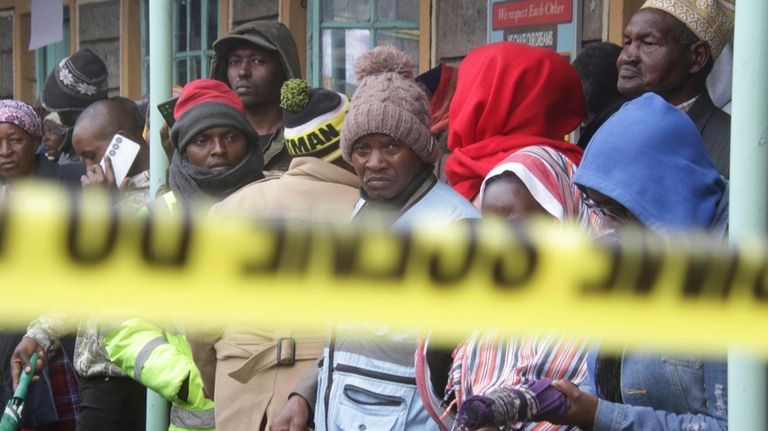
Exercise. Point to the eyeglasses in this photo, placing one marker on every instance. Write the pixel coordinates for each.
(613, 210)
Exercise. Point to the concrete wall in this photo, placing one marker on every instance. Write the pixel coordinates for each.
(460, 26)
(99, 29)
(592, 21)
(249, 10)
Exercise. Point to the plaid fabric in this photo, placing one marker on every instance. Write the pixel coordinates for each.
(65, 391)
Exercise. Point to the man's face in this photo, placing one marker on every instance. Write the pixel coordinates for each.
(90, 141)
(217, 148)
(17, 152)
(653, 57)
(255, 74)
(384, 165)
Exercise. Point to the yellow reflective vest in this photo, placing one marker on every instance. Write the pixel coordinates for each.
(162, 361)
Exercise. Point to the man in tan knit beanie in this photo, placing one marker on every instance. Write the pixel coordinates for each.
(386, 139)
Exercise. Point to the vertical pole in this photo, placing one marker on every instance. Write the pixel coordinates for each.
(747, 383)
(157, 412)
(160, 57)
(315, 42)
(160, 62)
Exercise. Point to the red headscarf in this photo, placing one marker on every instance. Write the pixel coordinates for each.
(509, 96)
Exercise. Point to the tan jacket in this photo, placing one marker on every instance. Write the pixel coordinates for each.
(240, 367)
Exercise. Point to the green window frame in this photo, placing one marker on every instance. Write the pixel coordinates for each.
(337, 33)
(191, 51)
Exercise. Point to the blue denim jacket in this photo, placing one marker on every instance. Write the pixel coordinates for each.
(663, 392)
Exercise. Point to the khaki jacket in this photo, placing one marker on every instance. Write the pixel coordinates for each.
(250, 371)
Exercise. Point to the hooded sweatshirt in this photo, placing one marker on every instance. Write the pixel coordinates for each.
(650, 158)
(266, 34)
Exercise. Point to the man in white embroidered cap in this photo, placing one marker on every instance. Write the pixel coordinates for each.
(669, 49)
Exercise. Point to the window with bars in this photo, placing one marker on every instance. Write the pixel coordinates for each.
(6, 54)
(341, 30)
(195, 26)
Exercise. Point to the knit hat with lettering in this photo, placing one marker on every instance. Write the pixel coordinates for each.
(710, 20)
(390, 102)
(206, 103)
(312, 120)
(76, 82)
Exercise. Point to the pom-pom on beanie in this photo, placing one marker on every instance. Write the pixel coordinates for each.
(390, 102)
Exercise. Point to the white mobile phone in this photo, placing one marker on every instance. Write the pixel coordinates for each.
(123, 152)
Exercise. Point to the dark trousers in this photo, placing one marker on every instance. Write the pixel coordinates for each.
(8, 343)
(114, 403)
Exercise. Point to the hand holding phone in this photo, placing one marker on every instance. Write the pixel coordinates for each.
(121, 152)
(166, 110)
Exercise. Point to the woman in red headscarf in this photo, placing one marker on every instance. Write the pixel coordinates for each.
(509, 96)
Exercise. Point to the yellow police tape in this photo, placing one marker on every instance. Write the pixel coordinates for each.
(62, 252)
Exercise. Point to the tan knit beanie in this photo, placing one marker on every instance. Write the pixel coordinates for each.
(388, 101)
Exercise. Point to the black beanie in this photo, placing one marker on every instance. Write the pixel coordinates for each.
(206, 115)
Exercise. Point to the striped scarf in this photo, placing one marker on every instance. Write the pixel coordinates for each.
(487, 361)
(547, 174)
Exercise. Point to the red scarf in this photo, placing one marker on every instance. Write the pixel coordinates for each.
(440, 102)
(509, 96)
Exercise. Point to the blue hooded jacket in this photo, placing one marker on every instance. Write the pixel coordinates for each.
(650, 158)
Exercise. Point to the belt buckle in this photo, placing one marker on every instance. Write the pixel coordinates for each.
(288, 360)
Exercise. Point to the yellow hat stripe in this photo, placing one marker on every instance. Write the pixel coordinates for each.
(332, 116)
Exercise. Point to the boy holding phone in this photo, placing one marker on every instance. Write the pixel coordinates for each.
(106, 137)
(110, 399)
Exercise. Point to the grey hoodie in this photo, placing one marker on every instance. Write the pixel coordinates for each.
(270, 35)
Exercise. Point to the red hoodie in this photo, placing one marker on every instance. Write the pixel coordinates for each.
(509, 96)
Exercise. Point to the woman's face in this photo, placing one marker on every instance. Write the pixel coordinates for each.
(508, 197)
(17, 152)
(53, 139)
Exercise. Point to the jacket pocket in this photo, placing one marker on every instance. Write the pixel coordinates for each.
(681, 361)
(351, 418)
(685, 390)
(367, 400)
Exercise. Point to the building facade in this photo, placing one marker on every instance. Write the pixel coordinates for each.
(330, 35)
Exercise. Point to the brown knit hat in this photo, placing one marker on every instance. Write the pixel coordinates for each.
(390, 102)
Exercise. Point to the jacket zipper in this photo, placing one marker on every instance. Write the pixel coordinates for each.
(329, 383)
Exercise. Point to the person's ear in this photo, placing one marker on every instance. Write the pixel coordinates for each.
(700, 54)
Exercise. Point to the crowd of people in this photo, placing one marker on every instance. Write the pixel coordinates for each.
(489, 139)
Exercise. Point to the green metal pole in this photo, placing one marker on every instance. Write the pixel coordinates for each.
(747, 383)
(160, 71)
(160, 57)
